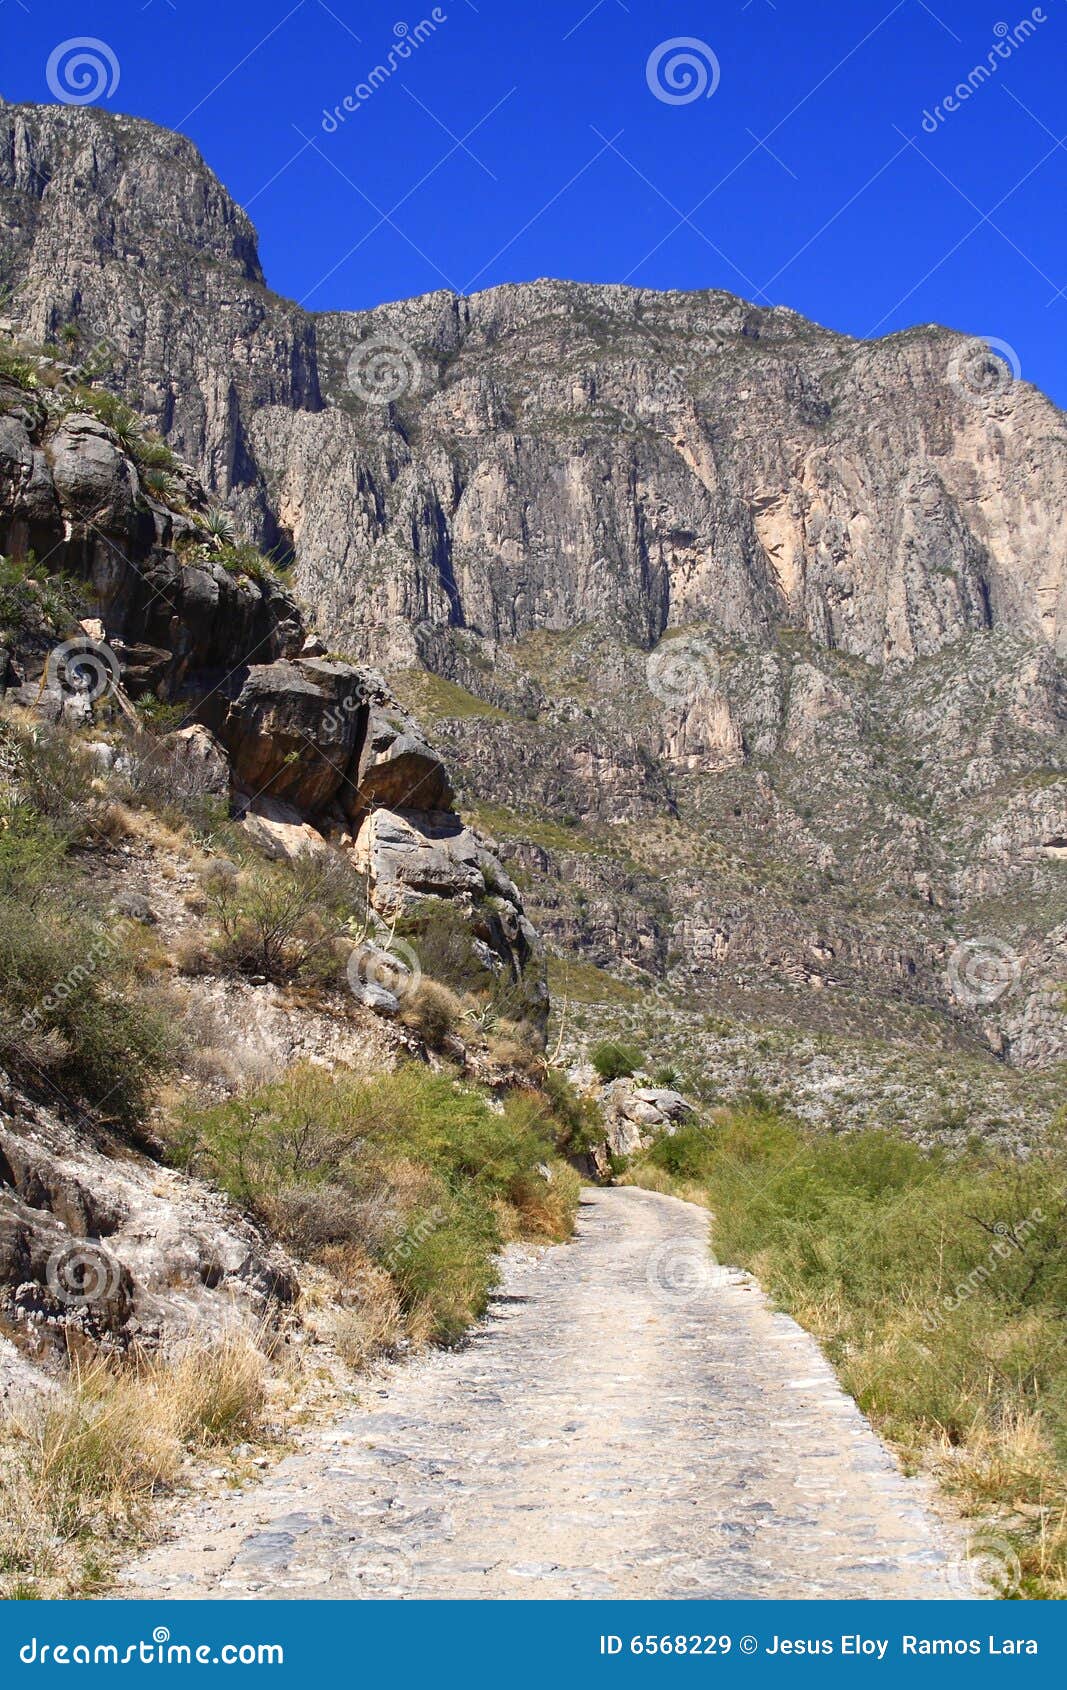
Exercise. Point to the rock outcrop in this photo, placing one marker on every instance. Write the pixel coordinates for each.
(310, 745)
(101, 1248)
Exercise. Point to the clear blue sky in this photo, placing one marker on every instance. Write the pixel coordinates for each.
(522, 140)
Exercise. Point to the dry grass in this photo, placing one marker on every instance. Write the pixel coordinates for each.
(433, 1012)
(937, 1288)
(366, 1317)
(80, 1471)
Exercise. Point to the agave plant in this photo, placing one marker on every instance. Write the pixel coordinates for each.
(218, 524)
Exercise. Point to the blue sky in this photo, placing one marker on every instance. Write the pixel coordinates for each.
(519, 140)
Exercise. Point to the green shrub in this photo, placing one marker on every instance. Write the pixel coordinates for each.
(686, 1154)
(28, 602)
(441, 937)
(68, 1012)
(238, 558)
(580, 1123)
(615, 1061)
(410, 1167)
(280, 921)
(19, 371)
(937, 1285)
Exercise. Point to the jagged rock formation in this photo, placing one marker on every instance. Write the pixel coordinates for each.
(104, 1248)
(323, 739)
(803, 755)
(555, 453)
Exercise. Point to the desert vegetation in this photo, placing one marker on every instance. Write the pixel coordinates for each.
(936, 1284)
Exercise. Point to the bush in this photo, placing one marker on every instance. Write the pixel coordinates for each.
(442, 938)
(686, 1154)
(580, 1123)
(21, 372)
(69, 1013)
(431, 1011)
(615, 1061)
(27, 602)
(280, 921)
(411, 1169)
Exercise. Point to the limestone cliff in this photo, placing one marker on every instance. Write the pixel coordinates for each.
(750, 634)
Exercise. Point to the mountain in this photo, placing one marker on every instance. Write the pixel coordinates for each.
(745, 638)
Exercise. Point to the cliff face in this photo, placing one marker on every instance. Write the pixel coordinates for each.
(549, 453)
(118, 227)
(751, 634)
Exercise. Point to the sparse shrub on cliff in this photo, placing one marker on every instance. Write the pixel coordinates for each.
(280, 921)
(615, 1061)
(71, 1016)
(31, 600)
(237, 557)
(148, 450)
(19, 371)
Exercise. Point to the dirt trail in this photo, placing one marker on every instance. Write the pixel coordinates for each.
(630, 1421)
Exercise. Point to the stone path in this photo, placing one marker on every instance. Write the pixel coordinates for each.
(631, 1421)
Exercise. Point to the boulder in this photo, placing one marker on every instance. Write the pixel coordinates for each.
(280, 831)
(200, 753)
(405, 853)
(292, 729)
(93, 477)
(667, 1103)
(397, 770)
